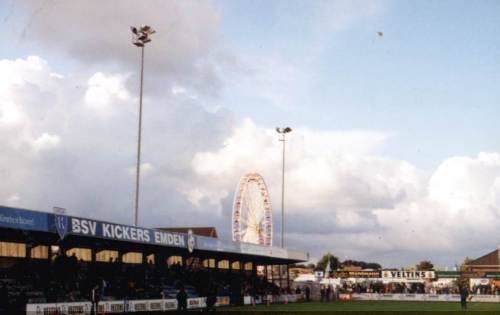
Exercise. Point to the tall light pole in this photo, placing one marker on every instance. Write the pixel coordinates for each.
(140, 36)
(283, 132)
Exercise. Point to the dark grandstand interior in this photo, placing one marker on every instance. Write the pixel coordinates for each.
(66, 279)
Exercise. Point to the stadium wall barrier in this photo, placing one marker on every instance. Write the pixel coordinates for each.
(284, 298)
(423, 297)
(84, 308)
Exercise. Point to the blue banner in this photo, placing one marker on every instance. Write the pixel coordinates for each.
(24, 219)
(67, 225)
(120, 232)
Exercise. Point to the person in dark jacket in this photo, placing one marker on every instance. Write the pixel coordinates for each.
(308, 294)
(322, 292)
(211, 300)
(181, 300)
(95, 298)
(464, 293)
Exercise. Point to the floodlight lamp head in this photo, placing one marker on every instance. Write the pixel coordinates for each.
(133, 29)
(283, 130)
(147, 29)
(138, 43)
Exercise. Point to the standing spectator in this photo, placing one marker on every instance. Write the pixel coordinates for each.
(464, 293)
(328, 293)
(322, 292)
(269, 297)
(284, 293)
(73, 266)
(308, 294)
(211, 300)
(4, 297)
(253, 294)
(95, 299)
(181, 300)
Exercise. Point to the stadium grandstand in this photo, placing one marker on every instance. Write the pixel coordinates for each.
(489, 263)
(56, 258)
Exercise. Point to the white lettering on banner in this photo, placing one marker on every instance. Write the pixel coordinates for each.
(88, 227)
(125, 233)
(390, 274)
(75, 226)
(106, 230)
(82, 226)
(118, 232)
(146, 236)
(169, 239)
(16, 220)
(180, 240)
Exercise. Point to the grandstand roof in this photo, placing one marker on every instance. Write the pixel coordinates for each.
(201, 231)
(490, 259)
(44, 228)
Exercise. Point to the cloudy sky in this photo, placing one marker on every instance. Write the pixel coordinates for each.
(395, 153)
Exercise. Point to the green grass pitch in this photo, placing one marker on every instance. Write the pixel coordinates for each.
(371, 307)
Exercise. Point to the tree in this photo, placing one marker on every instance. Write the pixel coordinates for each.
(463, 265)
(334, 262)
(425, 265)
(362, 264)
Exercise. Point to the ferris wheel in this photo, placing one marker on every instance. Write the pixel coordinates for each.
(252, 214)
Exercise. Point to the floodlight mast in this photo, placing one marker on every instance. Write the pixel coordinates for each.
(140, 36)
(283, 132)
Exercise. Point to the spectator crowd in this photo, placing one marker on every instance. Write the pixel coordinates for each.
(66, 279)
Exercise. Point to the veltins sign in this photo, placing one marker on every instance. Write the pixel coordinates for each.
(410, 275)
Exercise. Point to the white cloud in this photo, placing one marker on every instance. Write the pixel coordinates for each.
(146, 169)
(23, 85)
(320, 165)
(342, 194)
(46, 141)
(10, 114)
(352, 201)
(106, 89)
(98, 34)
(49, 134)
(462, 183)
